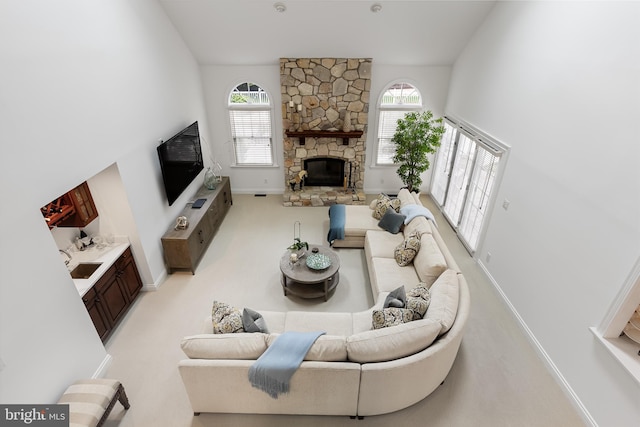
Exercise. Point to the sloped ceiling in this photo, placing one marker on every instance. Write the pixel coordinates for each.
(253, 32)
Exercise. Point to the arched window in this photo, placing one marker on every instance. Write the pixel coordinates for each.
(250, 118)
(397, 100)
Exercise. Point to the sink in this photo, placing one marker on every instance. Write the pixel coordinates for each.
(84, 270)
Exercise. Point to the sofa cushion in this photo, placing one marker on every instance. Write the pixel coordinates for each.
(418, 225)
(224, 346)
(445, 295)
(358, 220)
(406, 197)
(418, 300)
(429, 262)
(406, 251)
(226, 319)
(326, 348)
(392, 343)
(391, 221)
(390, 316)
(310, 321)
(379, 243)
(386, 275)
(252, 321)
(383, 203)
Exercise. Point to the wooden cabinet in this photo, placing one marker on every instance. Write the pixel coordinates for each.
(73, 209)
(183, 249)
(109, 299)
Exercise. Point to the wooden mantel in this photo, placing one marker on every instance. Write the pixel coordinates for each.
(301, 135)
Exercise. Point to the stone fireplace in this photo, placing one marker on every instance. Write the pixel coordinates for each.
(325, 107)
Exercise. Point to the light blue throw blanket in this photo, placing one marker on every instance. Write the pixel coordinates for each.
(273, 370)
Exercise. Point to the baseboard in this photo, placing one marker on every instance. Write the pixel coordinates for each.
(101, 372)
(553, 369)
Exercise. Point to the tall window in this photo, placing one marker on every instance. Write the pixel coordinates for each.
(250, 117)
(396, 101)
(464, 177)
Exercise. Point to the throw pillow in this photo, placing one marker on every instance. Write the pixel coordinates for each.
(383, 203)
(407, 250)
(252, 321)
(226, 319)
(391, 221)
(418, 300)
(396, 298)
(391, 316)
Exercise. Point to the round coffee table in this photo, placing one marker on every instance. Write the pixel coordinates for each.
(304, 281)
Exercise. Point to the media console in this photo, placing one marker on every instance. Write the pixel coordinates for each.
(183, 249)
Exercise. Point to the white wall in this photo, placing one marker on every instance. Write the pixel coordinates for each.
(84, 85)
(559, 82)
(218, 81)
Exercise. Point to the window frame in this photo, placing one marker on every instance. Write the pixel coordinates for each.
(380, 108)
(270, 108)
(480, 141)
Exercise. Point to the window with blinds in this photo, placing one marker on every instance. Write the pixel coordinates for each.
(397, 100)
(251, 130)
(464, 179)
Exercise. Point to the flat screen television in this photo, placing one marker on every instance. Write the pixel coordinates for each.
(180, 161)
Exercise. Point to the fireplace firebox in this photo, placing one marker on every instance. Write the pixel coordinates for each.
(324, 171)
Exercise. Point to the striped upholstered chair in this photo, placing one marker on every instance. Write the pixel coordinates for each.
(91, 400)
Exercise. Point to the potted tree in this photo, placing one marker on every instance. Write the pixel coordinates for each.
(417, 135)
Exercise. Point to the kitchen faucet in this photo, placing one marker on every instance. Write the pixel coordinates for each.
(62, 251)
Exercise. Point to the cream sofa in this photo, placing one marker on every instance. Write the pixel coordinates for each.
(353, 369)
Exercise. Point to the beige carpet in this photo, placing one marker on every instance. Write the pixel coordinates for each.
(497, 379)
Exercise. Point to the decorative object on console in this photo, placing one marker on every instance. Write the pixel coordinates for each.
(417, 135)
(182, 223)
(210, 179)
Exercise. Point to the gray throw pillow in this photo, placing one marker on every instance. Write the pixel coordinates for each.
(396, 298)
(391, 221)
(252, 321)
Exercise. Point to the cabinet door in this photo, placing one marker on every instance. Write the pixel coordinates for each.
(85, 208)
(198, 241)
(127, 274)
(113, 297)
(92, 303)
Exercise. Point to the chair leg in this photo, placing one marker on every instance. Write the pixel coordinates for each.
(122, 397)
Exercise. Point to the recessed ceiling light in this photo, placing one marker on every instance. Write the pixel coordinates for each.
(376, 7)
(280, 7)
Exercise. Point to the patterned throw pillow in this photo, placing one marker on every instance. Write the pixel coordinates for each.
(407, 250)
(384, 202)
(226, 319)
(418, 300)
(391, 317)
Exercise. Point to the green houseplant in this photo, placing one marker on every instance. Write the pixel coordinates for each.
(417, 135)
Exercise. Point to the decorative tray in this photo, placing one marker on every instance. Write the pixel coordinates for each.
(318, 261)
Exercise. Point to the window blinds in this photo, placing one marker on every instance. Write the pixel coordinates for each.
(251, 133)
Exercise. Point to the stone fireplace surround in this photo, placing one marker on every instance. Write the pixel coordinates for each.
(325, 106)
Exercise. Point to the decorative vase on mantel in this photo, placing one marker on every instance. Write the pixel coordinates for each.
(346, 124)
(210, 179)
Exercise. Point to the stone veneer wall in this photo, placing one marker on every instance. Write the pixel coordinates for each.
(324, 92)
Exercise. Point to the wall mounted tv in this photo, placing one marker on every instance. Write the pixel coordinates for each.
(180, 161)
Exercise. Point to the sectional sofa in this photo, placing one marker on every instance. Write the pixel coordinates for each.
(353, 369)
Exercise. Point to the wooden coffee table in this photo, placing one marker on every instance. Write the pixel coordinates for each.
(300, 280)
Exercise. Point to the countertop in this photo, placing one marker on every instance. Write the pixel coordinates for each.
(107, 256)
